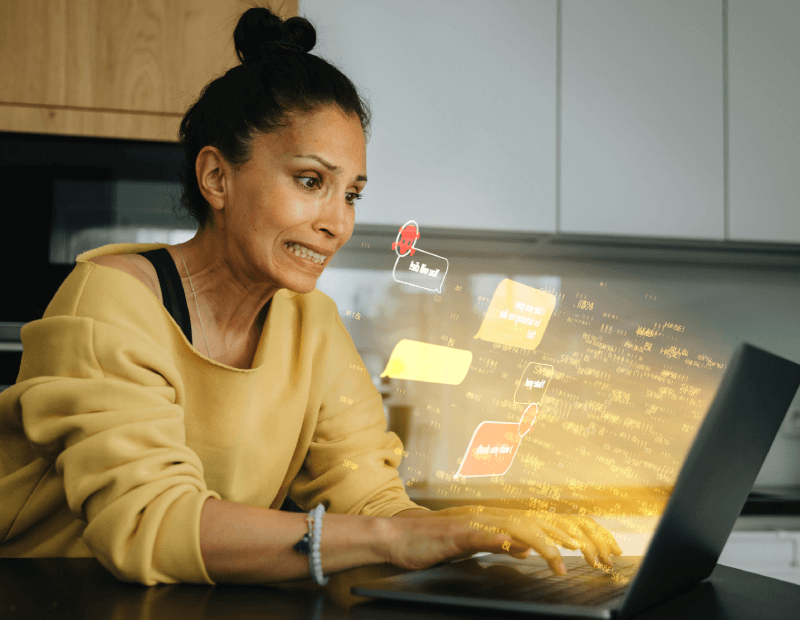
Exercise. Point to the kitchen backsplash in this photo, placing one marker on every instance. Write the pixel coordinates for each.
(633, 352)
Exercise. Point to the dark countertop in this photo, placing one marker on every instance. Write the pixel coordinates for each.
(773, 501)
(81, 588)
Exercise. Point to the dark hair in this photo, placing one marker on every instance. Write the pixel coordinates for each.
(277, 77)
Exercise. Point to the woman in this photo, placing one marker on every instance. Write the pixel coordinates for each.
(172, 396)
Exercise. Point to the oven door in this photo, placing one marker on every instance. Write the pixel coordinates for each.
(10, 353)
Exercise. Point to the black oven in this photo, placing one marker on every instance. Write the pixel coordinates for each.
(65, 195)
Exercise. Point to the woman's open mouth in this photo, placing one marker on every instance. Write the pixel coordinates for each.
(303, 252)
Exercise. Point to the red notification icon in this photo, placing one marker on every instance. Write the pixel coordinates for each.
(406, 238)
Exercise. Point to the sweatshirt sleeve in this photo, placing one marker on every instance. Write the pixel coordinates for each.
(104, 404)
(352, 461)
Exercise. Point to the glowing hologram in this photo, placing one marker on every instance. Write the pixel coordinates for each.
(517, 315)
(494, 445)
(528, 418)
(420, 361)
(533, 383)
(406, 238)
(491, 450)
(427, 271)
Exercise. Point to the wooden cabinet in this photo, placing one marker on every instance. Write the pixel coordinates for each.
(126, 69)
(764, 119)
(642, 118)
(464, 106)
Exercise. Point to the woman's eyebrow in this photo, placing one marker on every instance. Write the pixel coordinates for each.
(330, 166)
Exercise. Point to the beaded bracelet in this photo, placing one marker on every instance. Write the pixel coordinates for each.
(310, 544)
(314, 558)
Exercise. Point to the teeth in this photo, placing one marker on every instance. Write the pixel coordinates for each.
(303, 252)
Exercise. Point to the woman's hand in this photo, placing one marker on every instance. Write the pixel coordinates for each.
(454, 533)
(428, 539)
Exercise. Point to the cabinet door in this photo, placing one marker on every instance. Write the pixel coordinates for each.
(641, 118)
(764, 119)
(463, 99)
(82, 66)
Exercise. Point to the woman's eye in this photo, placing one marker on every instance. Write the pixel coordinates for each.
(314, 182)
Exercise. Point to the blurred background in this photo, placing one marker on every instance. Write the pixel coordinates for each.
(640, 157)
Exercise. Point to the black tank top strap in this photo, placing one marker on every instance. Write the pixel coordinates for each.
(171, 288)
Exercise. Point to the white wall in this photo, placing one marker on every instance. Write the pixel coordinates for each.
(463, 97)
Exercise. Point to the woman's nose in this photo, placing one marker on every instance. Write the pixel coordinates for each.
(334, 217)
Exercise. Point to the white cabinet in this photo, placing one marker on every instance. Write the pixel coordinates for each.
(463, 98)
(642, 118)
(764, 119)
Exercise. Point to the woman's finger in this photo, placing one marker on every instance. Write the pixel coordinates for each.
(524, 555)
(538, 540)
(543, 531)
(496, 543)
(583, 543)
(586, 546)
(565, 539)
(552, 557)
(568, 524)
(602, 539)
(607, 536)
(560, 529)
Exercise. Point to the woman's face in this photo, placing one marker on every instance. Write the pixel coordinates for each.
(299, 187)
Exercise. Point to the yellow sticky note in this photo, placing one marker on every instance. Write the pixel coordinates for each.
(517, 315)
(420, 361)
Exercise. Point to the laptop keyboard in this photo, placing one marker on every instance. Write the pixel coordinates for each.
(582, 585)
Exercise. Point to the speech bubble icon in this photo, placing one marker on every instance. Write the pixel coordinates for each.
(491, 450)
(533, 383)
(517, 315)
(423, 270)
(420, 361)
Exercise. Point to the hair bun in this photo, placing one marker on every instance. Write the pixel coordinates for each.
(260, 32)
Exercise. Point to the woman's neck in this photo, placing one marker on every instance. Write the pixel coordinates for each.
(232, 310)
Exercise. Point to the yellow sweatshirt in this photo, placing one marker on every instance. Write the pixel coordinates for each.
(118, 430)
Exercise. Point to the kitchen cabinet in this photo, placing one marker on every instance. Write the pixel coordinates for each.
(764, 119)
(463, 97)
(122, 69)
(642, 118)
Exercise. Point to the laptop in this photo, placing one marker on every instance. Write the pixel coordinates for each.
(712, 485)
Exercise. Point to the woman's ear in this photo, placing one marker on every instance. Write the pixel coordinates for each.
(211, 169)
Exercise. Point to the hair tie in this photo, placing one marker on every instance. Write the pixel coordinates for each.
(276, 45)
